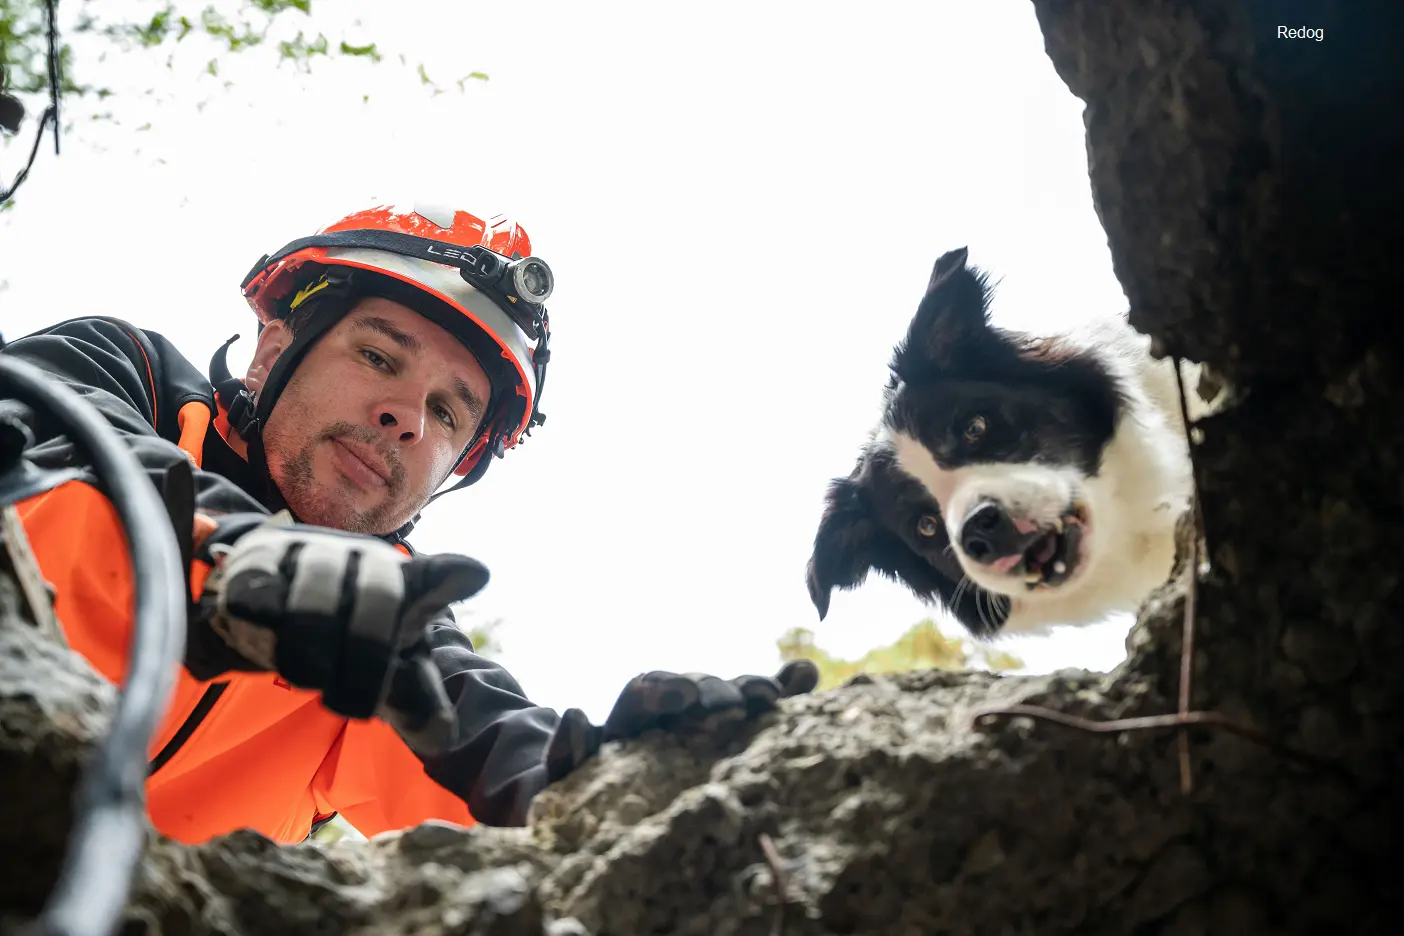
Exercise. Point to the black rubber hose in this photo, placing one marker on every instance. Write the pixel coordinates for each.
(110, 823)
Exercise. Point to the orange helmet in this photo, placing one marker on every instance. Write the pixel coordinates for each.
(476, 279)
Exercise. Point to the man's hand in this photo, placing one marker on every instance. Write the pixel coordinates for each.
(340, 614)
(674, 702)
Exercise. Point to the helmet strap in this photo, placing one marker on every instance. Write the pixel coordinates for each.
(477, 471)
(248, 413)
(240, 406)
(495, 448)
(497, 444)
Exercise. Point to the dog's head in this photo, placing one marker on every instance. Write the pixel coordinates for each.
(979, 488)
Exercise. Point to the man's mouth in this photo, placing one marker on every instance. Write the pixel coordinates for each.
(1054, 556)
(361, 466)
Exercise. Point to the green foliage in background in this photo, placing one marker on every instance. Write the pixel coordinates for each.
(235, 26)
(483, 634)
(222, 28)
(923, 646)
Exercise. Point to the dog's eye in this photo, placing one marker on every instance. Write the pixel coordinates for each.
(975, 429)
(927, 526)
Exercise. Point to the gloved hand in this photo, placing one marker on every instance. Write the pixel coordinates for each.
(340, 614)
(673, 702)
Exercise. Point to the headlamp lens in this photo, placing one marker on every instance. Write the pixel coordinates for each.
(533, 280)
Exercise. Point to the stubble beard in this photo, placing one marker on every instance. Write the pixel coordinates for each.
(315, 504)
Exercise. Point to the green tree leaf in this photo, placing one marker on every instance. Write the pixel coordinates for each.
(923, 646)
(482, 633)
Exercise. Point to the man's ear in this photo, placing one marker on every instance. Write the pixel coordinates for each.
(842, 545)
(272, 342)
(953, 313)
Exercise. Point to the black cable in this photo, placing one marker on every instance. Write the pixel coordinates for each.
(51, 113)
(110, 822)
(54, 66)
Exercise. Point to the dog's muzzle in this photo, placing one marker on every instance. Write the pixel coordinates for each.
(1040, 555)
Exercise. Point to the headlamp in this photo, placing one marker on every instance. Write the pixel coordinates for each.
(533, 279)
(521, 286)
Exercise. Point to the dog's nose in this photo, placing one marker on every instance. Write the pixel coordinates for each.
(988, 533)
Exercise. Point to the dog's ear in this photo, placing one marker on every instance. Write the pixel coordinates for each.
(948, 264)
(953, 313)
(843, 544)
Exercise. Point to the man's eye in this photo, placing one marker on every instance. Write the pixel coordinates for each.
(446, 415)
(374, 358)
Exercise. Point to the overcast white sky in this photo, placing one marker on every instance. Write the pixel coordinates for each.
(741, 202)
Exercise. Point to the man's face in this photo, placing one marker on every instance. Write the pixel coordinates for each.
(373, 419)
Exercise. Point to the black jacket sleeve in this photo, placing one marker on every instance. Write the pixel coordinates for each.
(500, 764)
(138, 381)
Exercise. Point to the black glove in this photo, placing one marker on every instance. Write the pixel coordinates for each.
(674, 702)
(340, 614)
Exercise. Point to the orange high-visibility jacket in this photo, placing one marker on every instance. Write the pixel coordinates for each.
(244, 750)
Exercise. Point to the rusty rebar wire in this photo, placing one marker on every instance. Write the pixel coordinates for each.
(1191, 590)
(781, 881)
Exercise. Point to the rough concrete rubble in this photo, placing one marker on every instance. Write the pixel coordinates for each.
(1251, 202)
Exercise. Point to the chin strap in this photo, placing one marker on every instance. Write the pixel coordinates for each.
(248, 413)
(240, 407)
(497, 448)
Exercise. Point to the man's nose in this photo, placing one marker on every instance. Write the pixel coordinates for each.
(403, 423)
(989, 534)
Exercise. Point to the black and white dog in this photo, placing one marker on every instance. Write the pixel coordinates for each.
(1021, 481)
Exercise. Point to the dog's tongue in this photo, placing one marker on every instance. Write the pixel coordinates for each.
(1045, 549)
(1007, 562)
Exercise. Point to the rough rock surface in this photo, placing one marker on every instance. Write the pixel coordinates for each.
(1250, 194)
(53, 707)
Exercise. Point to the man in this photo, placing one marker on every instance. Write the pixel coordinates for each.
(324, 673)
